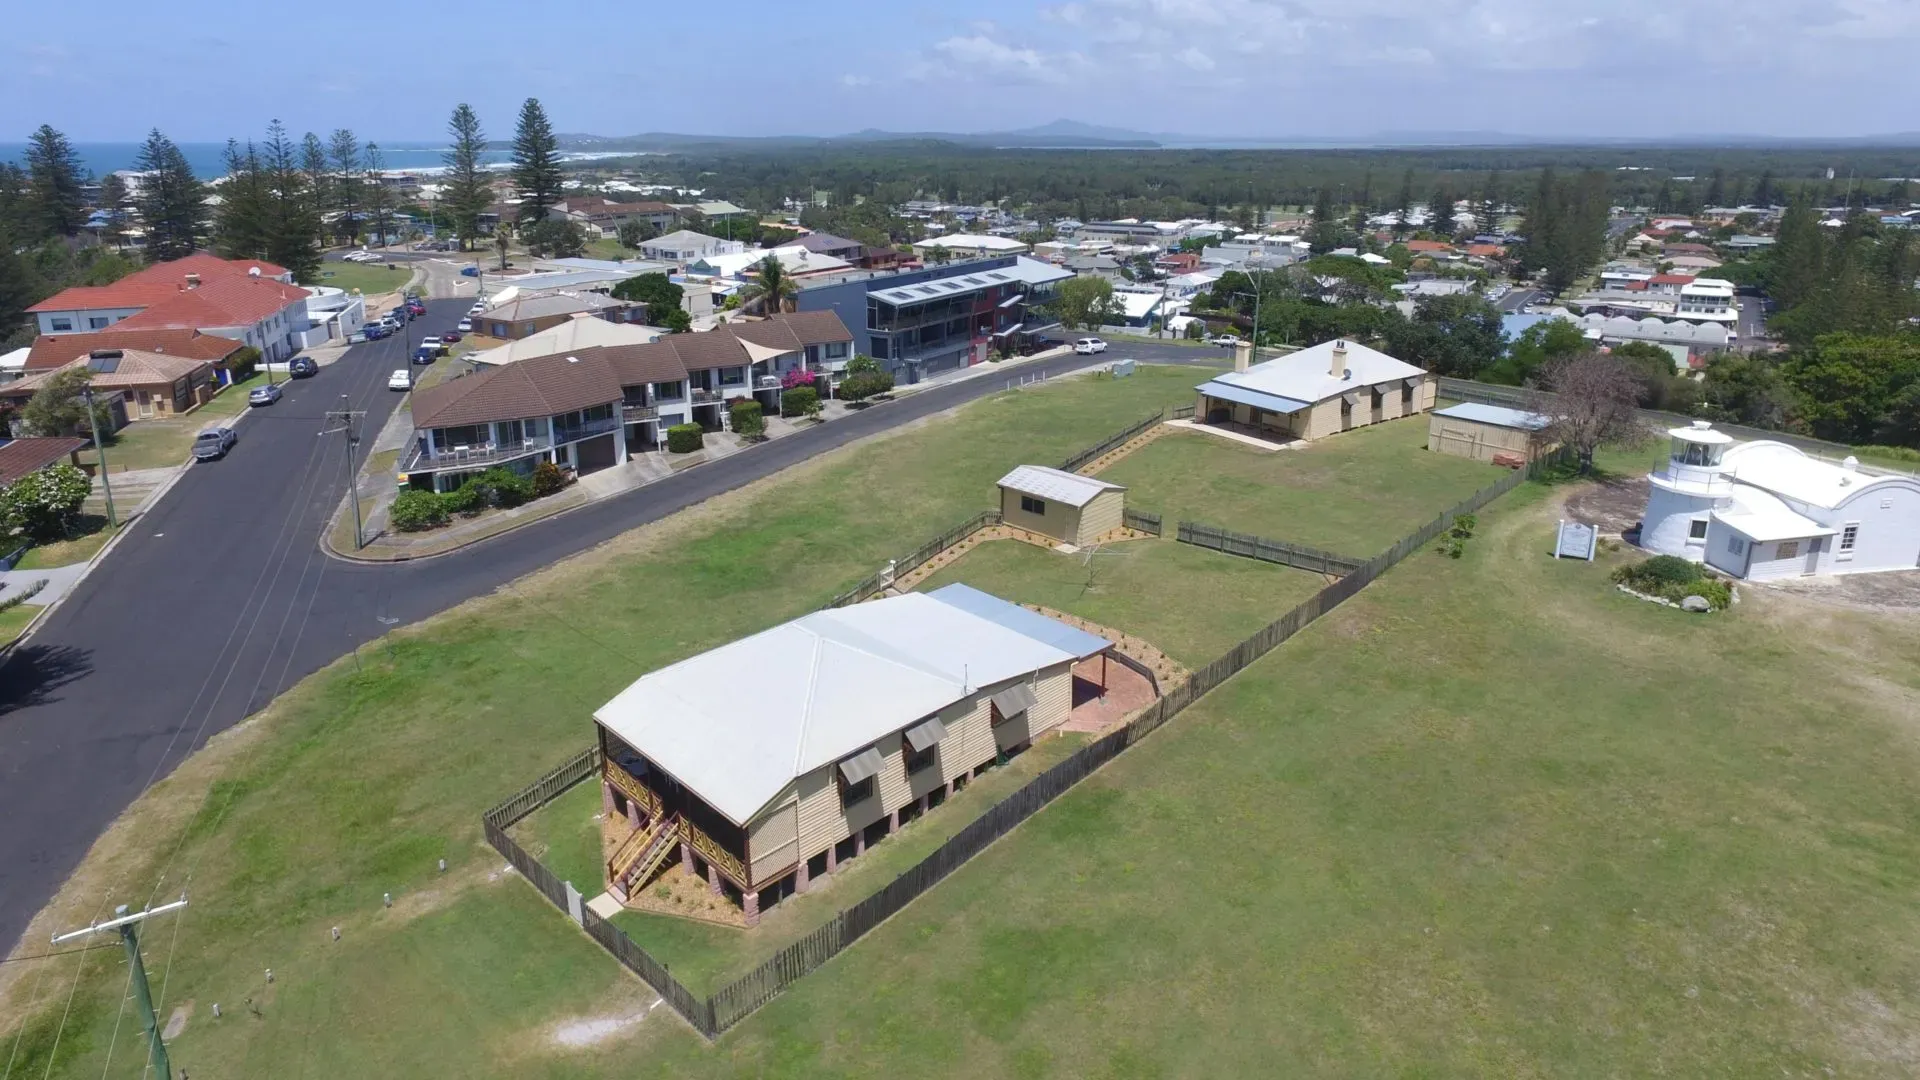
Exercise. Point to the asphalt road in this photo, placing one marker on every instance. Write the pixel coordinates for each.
(219, 599)
(1518, 298)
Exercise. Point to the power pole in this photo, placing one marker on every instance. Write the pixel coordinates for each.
(100, 455)
(345, 417)
(128, 925)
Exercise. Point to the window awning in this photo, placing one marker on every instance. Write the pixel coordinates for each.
(1351, 397)
(1011, 300)
(1015, 700)
(1410, 384)
(926, 733)
(862, 765)
(1009, 331)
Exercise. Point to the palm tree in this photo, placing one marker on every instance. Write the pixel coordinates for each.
(772, 290)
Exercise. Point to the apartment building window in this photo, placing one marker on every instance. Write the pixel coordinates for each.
(1849, 536)
(837, 350)
(732, 376)
(59, 324)
(1033, 506)
(668, 391)
(920, 760)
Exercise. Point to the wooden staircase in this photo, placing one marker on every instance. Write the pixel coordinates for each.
(640, 855)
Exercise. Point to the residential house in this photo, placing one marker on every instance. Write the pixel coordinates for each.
(1707, 300)
(860, 719)
(248, 301)
(571, 335)
(1745, 243)
(56, 350)
(590, 402)
(1332, 387)
(851, 252)
(526, 315)
(1101, 266)
(20, 457)
(1668, 285)
(603, 217)
(797, 261)
(968, 244)
(147, 384)
(1178, 262)
(684, 246)
(1697, 336)
(1429, 247)
(1764, 510)
(1120, 232)
(922, 322)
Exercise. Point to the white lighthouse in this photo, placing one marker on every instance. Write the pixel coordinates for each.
(1693, 483)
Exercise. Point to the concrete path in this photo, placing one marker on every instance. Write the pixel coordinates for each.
(132, 490)
(59, 579)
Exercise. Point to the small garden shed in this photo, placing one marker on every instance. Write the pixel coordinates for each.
(1068, 507)
(1487, 433)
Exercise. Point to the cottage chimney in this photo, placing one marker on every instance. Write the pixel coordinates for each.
(1337, 367)
(1242, 355)
(193, 281)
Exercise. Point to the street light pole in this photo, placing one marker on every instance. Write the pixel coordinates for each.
(100, 455)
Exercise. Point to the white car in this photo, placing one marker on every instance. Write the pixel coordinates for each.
(465, 327)
(401, 379)
(1087, 346)
(1225, 341)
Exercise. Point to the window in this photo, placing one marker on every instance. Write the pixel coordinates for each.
(60, 324)
(1849, 535)
(837, 350)
(97, 322)
(852, 794)
(1033, 506)
(1735, 545)
(1788, 549)
(1697, 529)
(918, 761)
(668, 391)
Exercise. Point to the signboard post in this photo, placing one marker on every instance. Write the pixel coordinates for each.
(1575, 541)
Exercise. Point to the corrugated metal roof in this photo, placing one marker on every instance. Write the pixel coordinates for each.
(1241, 395)
(1497, 415)
(1016, 618)
(1062, 487)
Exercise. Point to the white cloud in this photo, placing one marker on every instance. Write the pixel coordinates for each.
(852, 81)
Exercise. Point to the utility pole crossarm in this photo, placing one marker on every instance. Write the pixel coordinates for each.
(120, 920)
(128, 925)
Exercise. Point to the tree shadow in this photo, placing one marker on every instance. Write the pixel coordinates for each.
(34, 674)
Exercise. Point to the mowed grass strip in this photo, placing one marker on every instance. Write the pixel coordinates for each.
(358, 781)
(1354, 493)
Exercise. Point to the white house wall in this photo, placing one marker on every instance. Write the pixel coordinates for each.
(1889, 519)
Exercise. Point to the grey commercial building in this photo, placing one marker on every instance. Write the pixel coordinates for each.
(923, 322)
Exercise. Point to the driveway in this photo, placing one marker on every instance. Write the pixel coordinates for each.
(220, 599)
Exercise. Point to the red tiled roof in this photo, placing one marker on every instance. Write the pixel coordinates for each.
(19, 457)
(53, 350)
(225, 301)
(1670, 279)
(1487, 251)
(1636, 286)
(1428, 245)
(149, 285)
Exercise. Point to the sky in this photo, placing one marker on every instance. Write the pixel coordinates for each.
(204, 70)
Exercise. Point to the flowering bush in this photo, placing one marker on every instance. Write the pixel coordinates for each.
(796, 377)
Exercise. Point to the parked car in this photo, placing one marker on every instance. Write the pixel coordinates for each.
(401, 379)
(264, 395)
(450, 337)
(213, 443)
(1225, 341)
(302, 367)
(416, 307)
(465, 327)
(374, 331)
(1087, 346)
(469, 271)
(425, 354)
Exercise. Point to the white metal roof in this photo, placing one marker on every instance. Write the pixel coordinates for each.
(1497, 415)
(1789, 473)
(1307, 375)
(977, 241)
(566, 337)
(1056, 485)
(738, 723)
(1763, 518)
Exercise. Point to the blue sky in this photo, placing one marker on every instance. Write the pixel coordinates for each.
(202, 70)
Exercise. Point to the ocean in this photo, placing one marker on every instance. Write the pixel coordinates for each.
(209, 159)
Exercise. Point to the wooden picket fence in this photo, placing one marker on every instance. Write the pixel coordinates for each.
(1140, 520)
(879, 581)
(1266, 550)
(737, 1000)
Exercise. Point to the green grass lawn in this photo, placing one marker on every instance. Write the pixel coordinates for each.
(369, 278)
(356, 782)
(1354, 493)
(1191, 603)
(92, 535)
(157, 443)
(1492, 817)
(15, 619)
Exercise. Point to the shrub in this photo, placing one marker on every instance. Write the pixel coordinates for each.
(866, 384)
(747, 418)
(796, 377)
(548, 479)
(800, 401)
(243, 362)
(506, 488)
(684, 438)
(1672, 578)
(417, 511)
(469, 498)
(1665, 569)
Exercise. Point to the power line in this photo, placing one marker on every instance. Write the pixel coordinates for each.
(56, 952)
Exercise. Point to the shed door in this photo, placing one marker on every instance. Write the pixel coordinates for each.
(1813, 555)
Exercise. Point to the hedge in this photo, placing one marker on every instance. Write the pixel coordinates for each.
(747, 418)
(684, 438)
(417, 511)
(800, 401)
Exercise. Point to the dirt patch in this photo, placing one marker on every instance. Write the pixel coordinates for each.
(679, 893)
(589, 1031)
(1613, 505)
(1893, 591)
(177, 1022)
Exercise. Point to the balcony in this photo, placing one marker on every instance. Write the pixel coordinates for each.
(584, 431)
(704, 397)
(471, 457)
(767, 382)
(633, 413)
